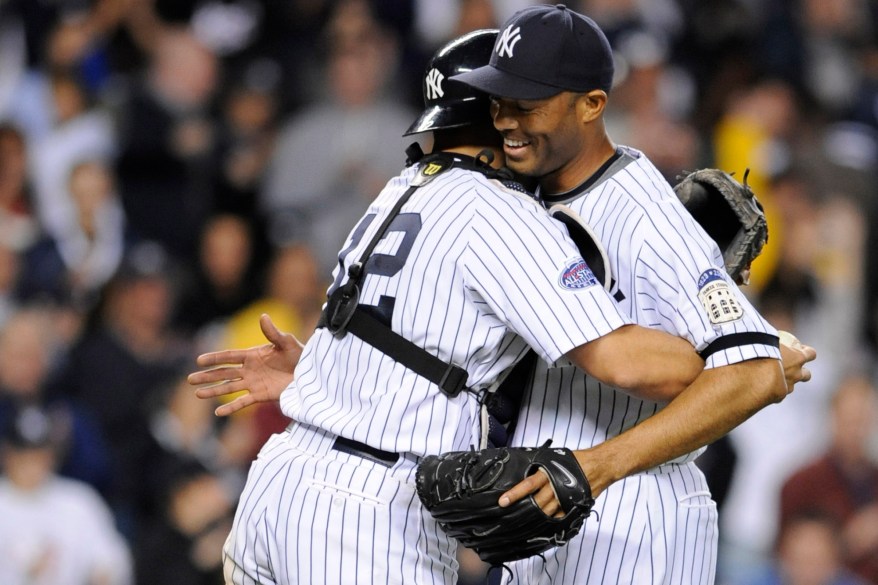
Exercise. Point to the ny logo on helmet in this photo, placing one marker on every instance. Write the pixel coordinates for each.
(506, 42)
(434, 84)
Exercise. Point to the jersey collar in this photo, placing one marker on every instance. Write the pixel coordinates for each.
(621, 157)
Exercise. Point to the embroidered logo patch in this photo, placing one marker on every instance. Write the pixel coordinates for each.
(717, 298)
(507, 41)
(576, 275)
(432, 169)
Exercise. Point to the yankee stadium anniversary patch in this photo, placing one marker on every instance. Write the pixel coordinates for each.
(717, 298)
(576, 275)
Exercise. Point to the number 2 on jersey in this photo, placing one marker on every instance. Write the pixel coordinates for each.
(409, 224)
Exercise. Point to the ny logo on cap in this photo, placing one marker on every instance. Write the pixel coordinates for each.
(506, 42)
(434, 84)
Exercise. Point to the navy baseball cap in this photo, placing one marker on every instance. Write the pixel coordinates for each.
(542, 51)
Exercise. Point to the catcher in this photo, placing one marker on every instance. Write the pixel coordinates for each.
(471, 493)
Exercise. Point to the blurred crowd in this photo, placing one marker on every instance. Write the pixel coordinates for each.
(171, 169)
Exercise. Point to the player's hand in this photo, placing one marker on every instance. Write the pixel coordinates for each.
(262, 372)
(540, 487)
(795, 355)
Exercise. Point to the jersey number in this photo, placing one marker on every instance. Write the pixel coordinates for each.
(382, 264)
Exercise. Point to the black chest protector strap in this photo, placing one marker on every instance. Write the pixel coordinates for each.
(343, 314)
(504, 404)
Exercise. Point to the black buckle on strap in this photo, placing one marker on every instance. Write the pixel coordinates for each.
(340, 309)
(453, 381)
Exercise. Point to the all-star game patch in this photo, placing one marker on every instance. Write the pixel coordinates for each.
(576, 275)
(717, 298)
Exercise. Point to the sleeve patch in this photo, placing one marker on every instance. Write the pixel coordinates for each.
(576, 275)
(717, 298)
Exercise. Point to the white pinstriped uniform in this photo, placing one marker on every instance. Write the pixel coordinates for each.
(475, 270)
(657, 527)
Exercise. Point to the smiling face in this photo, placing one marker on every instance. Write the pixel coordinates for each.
(554, 139)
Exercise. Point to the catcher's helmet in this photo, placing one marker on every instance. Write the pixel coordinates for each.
(447, 103)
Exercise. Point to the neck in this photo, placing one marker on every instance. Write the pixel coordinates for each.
(473, 151)
(470, 141)
(580, 169)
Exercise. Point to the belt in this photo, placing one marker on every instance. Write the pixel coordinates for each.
(363, 450)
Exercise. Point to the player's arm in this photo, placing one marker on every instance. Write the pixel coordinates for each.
(646, 363)
(263, 372)
(719, 400)
(716, 402)
(658, 366)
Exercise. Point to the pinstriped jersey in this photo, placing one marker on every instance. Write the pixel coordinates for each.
(472, 272)
(668, 274)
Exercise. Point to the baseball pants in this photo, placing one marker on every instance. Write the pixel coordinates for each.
(313, 514)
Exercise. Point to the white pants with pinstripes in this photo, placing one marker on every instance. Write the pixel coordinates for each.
(312, 515)
(654, 528)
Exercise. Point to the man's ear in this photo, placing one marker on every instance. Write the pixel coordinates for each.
(590, 106)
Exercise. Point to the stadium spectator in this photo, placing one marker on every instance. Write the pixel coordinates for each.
(118, 364)
(808, 553)
(843, 483)
(76, 263)
(31, 351)
(225, 277)
(180, 547)
(166, 166)
(81, 130)
(55, 531)
(327, 167)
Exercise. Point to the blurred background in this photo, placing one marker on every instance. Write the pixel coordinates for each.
(170, 169)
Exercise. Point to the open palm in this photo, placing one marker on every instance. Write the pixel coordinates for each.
(261, 372)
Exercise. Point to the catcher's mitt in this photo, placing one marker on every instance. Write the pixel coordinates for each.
(730, 214)
(461, 490)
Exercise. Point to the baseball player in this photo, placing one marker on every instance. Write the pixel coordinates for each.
(442, 286)
(549, 74)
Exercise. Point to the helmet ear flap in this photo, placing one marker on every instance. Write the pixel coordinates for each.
(451, 104)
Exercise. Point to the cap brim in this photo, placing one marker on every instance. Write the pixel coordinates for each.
(499, 83)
